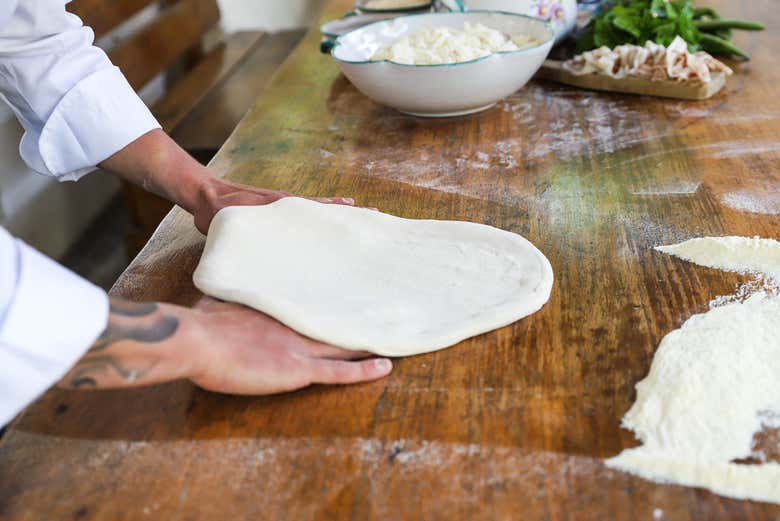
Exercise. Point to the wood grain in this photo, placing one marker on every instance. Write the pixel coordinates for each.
(512, 424)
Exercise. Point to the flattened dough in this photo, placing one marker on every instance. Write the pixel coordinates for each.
(366, 280)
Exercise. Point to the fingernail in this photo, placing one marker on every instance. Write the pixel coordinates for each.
(348, 200)
(383, 364)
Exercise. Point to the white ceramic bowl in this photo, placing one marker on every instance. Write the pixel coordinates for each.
(441, 90)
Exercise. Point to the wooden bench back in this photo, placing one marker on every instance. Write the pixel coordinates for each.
(177, 29)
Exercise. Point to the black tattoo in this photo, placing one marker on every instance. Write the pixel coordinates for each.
(101, 364)
(128, 321)
(162, 328)
(128, 308)
(84, 381)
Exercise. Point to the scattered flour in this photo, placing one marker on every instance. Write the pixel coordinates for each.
(713, 384)
(505, 156)
(734, 149)
(746, 290)
(673, 187)
(702, 402)
(766, 202)
(521, 112)
(739, 254)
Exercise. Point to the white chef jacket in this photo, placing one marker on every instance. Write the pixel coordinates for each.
(77, 109)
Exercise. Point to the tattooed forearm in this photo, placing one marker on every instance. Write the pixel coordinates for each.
(129, 348)
(86, 372)
(160, 328)
(79, 376)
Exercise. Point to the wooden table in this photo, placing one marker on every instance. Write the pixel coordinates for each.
(512, 424)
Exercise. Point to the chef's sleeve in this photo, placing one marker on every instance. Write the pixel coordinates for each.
(77, 109)
(49, 317)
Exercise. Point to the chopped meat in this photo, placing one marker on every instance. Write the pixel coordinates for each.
(653, 61)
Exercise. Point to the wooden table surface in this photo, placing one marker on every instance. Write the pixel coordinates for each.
(513, 424)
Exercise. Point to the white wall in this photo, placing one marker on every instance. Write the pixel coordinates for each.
(269, 15)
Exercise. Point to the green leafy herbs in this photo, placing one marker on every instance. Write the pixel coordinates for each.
(637, 21)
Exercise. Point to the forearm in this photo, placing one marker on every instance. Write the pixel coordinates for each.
(218, 346)
(142, 344)
(156, 163)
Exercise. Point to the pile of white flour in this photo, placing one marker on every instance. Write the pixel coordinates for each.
(713, 384)
(741, 254)
(440, 45)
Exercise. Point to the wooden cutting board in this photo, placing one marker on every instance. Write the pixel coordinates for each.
(553, 70)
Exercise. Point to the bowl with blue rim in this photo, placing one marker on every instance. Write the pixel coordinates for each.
(443, 89)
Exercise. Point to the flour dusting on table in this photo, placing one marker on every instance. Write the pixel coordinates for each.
(738, 254)
(766, 201)
(713, 384)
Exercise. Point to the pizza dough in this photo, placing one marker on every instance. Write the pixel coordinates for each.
(364, 280)
(712, 386)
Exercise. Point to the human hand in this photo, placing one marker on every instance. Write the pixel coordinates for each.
(258, 355)
(216, 194)
(219, 346)
(157, 164)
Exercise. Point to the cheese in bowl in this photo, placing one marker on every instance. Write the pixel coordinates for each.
(441, 45)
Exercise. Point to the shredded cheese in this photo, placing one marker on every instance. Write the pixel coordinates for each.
(439, 45)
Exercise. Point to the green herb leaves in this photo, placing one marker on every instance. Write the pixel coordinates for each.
(637, 21)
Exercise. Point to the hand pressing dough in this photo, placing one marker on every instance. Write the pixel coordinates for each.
(364, 280)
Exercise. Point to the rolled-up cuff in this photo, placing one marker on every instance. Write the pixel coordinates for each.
(52, 320)
(98, 117)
